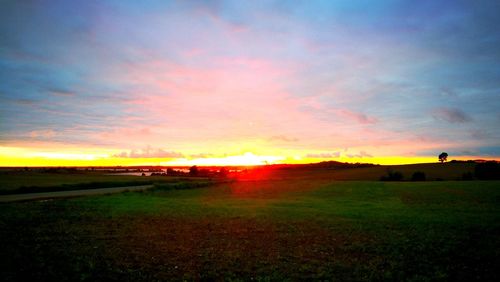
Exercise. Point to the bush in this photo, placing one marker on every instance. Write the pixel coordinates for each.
(488, 171)
(223, 172)
(193, 171)
(418, 176)
(392, 176)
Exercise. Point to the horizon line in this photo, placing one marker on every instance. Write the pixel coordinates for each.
(252, 165)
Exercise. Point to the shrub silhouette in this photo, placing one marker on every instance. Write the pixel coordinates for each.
(193, 170)
(487, 171)
(223, 172)
(418, 176)
(392, 176)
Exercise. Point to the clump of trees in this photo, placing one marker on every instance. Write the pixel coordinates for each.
(398, 176)
(487, 171)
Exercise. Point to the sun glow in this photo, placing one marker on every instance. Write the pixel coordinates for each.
(69, 156)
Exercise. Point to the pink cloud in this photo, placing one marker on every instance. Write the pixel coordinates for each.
(451, 115)
(201, 155)
(361, 154)
(237, 96)
(198, 96)
(324, 155)
(282, 138)
(358, 117)
(149, 153)
(42, 133)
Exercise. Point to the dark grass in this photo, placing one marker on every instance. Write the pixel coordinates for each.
(19, 182)
(12, 182)
(300, 229)
(432, 171)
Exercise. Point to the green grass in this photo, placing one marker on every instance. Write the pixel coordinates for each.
(279, 229)
(451, 202)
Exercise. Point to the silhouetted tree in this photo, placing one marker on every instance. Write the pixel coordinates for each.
(223, 172)
(193, 170)
(442, 157)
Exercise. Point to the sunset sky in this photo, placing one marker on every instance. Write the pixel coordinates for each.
(248, 82)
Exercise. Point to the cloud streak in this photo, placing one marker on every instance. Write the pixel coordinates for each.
(323, 155)
(361, 154)
(148, 153)
(282, 138)
(451, 115)
(358, 117)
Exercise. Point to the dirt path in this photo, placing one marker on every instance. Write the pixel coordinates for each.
(69, 194)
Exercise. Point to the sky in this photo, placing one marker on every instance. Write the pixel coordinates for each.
(248, 82)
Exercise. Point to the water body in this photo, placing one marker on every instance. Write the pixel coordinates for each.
(131, 173)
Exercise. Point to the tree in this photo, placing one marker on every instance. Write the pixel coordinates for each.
(488, 171)
(223, 172)
(443, 156)
(193, 170)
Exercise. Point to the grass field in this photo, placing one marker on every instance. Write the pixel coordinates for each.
(12, 182)
(32, 181)
(433, 171)
(268, 228)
